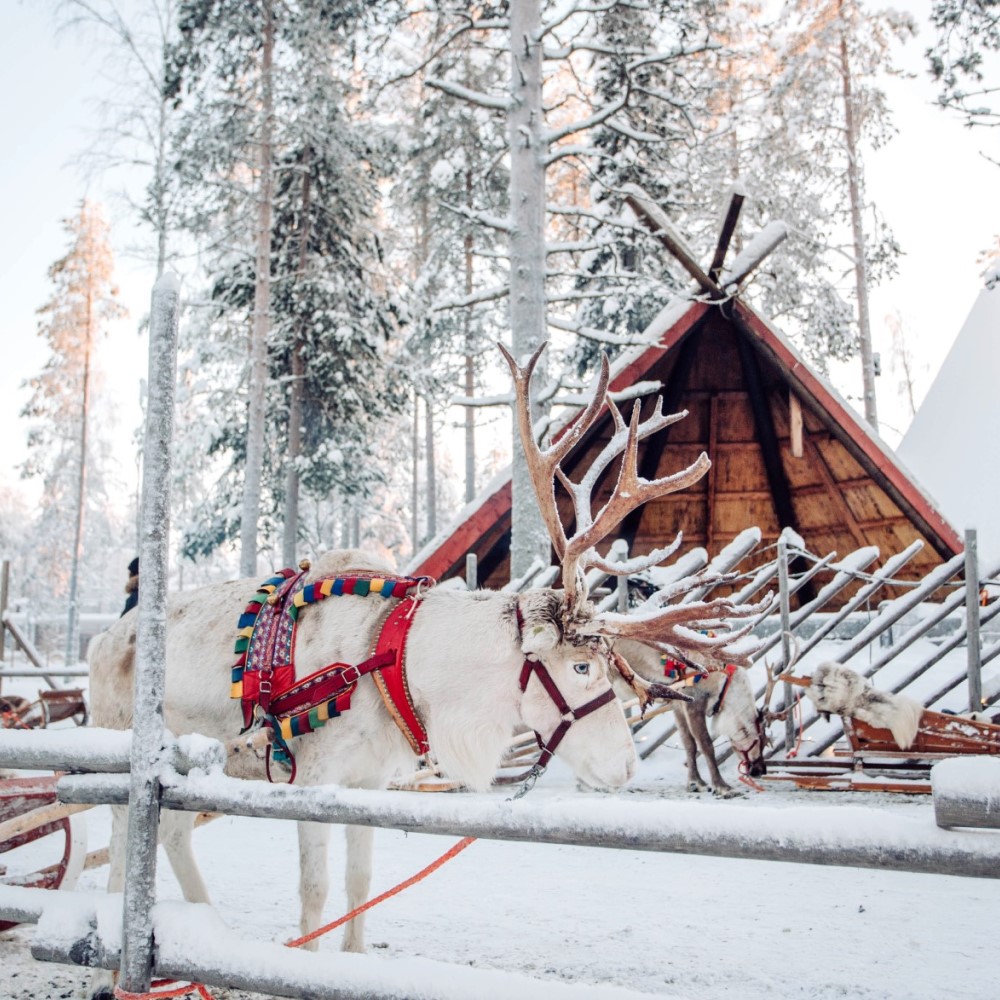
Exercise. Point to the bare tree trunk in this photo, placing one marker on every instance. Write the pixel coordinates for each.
(415, 483)
(431, 469)
(851, 125)
(250, 512)
(290, 536)
(73, 615)
(470, 365)
(529, 539)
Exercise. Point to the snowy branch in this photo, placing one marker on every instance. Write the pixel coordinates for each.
(500, 223)
(484, 295)
(466, 94)
(601, 336)
(599, 116)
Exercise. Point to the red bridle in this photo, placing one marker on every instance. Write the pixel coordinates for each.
(569, 716)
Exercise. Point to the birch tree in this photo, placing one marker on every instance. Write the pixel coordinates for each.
(835, 52)
(549, 117)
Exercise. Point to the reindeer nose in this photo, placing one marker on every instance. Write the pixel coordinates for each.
(757, 768)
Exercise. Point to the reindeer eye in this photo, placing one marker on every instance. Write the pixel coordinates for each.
(582, 668)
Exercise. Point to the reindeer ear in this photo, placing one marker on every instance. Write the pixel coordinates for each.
(541, 624)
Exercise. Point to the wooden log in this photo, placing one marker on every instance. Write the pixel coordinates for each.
(966, 792)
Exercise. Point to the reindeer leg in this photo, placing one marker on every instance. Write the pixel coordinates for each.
(694, 779)
(102, 982)
(699, 726)
(314, 877)
(358, 878)
(175, 835)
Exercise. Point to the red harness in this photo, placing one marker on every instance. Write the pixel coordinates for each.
(293, 708)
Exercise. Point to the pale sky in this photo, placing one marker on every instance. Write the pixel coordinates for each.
(941, 197)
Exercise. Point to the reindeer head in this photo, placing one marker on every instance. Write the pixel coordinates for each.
(570, 639)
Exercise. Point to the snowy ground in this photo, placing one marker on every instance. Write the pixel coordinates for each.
(668, 926)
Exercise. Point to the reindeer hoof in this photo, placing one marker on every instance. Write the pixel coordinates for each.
(725, 792)
(697, 786)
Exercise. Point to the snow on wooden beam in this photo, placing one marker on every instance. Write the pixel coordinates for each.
(66, 749)
(966, 792)
(662, 228)
(754, 253)
(852, 836)
(193, 944)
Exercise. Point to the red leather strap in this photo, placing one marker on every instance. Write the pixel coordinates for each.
(391, 679)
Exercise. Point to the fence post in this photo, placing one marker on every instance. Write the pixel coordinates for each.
(972, 620)
(786, 640)
(4, 592)
(147, 726)
(471, 571)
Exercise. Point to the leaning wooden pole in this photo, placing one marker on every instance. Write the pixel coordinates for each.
(151, 644)
(972, 620)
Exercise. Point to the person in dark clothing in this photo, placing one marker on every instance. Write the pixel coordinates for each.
(132, 587)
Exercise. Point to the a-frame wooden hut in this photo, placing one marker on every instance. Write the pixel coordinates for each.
(786, 451)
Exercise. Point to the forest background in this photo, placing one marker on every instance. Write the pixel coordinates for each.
(388, 172)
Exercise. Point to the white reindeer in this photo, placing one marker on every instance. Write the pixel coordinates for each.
(465, 655)
(722, 706)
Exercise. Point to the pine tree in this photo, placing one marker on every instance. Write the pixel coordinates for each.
(304, 256)
(84, 300)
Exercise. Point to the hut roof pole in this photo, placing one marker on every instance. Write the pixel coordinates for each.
(726, 235)
(657, 222)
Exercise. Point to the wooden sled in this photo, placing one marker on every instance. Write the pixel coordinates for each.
(28, 812)
(51, 706)
(872, 761)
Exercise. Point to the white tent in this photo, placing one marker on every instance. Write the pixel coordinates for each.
(953, 443)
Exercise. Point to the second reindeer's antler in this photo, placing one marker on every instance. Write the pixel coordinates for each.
(578, 553)
(701, 628)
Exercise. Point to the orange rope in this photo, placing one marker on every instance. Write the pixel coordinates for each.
(422, 874)
(159, 994)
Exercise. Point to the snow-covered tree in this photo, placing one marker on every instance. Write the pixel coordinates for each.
(831, 61)
(966, 43)
(547, 106)
(63, 451)
(299, 251)
(137, 115)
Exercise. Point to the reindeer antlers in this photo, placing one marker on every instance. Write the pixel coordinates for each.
(631, 491)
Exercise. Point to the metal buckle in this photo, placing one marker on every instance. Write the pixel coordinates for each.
(346, 675)
(264, 686)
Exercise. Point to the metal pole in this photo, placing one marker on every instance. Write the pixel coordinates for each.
(471, 571)
(786, 639)
(972, 620)
(147, 727)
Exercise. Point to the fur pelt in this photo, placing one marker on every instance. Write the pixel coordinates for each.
(835, 690)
